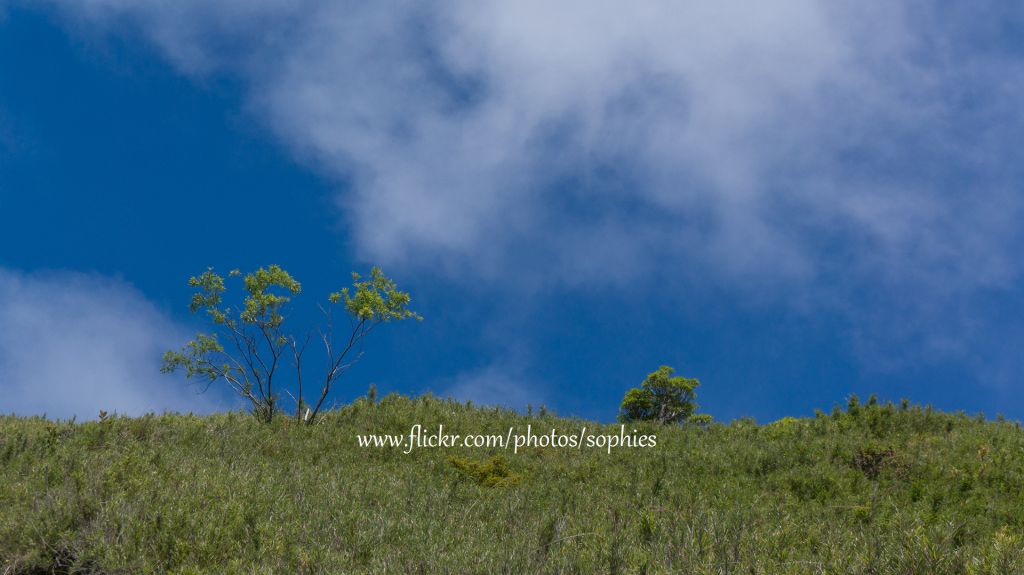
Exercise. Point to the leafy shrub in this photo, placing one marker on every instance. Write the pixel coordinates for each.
(662, 398)
(493, 472)
(870, 460)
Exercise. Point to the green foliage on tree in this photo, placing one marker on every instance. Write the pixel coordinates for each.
(662, 398)
(249, 347)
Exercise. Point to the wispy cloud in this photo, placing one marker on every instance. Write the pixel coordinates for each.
(74, 344)
(502, 384)
(860, 158)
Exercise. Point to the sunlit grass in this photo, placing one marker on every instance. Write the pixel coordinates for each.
(875, 489)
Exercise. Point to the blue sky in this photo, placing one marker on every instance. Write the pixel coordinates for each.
(791, 203)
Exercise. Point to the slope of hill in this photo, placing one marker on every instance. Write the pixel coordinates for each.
(870, 489)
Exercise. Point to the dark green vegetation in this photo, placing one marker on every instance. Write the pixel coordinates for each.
(872, 489)
(664, 398)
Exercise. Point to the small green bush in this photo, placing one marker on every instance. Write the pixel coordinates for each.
(493, 472)
(662, 398)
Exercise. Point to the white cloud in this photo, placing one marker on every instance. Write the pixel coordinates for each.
(468, 126)
(501, 384)
(819, 149)
(74, 344)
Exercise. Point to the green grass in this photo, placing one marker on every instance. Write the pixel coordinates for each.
(874, 489)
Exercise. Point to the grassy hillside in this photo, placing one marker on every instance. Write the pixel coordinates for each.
(874, 489)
